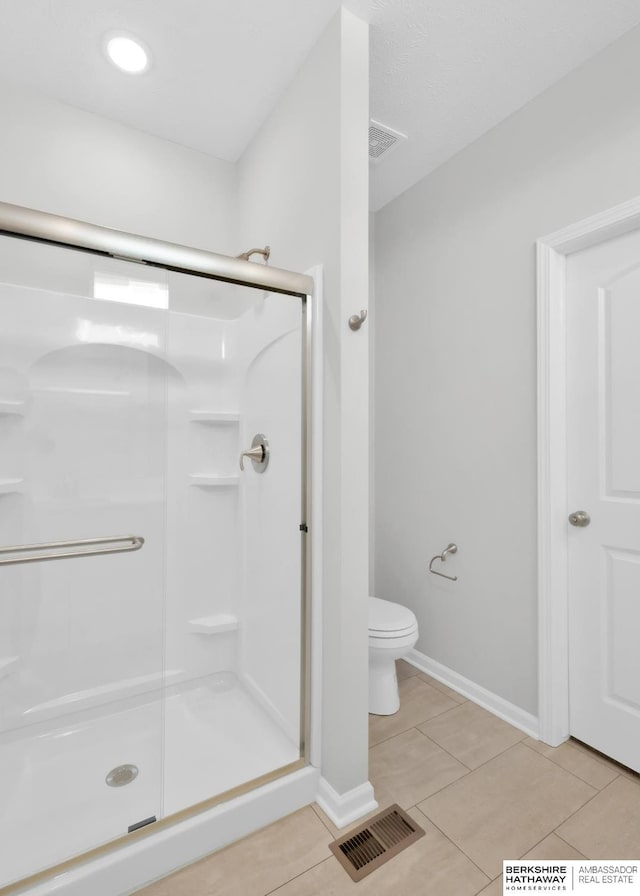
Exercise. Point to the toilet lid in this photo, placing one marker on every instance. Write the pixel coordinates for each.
(386, 618)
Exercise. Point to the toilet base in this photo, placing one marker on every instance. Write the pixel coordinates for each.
(384, 699)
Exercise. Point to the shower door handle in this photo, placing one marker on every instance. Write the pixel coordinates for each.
(258, 454)
(130, 543)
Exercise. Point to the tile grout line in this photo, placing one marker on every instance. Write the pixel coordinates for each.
(296, 876)
(555, 834)
(464, 763)
(451, 756)
(566, 842)
(444, 787)
(438, 747)
(446, 691)
(439, 684)
(467, 772)
(387, 739)
(459, 848)
(423, 722)
(575, 775)
(480, 892)
(552, 831)
(313, 807)
(470, 770)
(441, 688)
(603, 759)
(580, 808)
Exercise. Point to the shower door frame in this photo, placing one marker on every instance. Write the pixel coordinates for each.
(26, 223)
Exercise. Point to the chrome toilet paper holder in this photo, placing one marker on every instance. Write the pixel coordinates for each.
(450, 549)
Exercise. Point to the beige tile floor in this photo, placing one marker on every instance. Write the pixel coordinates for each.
(482, 790)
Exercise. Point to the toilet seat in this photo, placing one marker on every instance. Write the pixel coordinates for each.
(388, 620)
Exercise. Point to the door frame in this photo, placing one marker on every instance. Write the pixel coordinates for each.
(553, 603)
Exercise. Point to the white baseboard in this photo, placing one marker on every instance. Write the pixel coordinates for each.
(345, 808)
(500, 707)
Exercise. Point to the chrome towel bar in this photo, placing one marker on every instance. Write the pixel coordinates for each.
(450, 549)
(134, 543)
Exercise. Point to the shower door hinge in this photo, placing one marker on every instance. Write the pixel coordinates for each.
(304, 527)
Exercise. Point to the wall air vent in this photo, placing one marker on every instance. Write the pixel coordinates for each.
(382, 139)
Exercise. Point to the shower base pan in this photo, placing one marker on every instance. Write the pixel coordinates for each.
(205, 738)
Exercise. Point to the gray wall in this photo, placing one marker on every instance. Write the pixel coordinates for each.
(63, 160)
(303, 188)
(455, 361)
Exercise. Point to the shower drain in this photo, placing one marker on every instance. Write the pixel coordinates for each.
(121, 775)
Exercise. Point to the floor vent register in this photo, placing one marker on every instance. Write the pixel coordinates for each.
(384, 835)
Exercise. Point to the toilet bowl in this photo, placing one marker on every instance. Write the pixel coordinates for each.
(393, 631)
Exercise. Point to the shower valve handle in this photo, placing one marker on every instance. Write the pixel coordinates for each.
(258, 454)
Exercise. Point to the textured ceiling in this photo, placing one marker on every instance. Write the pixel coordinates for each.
(442, 71)
(446, 71)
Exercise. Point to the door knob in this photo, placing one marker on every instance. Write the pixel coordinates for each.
(258, 453)
(579, 518)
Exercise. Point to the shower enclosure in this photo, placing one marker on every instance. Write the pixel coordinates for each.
(153, 595)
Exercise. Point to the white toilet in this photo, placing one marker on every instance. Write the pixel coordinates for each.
(393, 631)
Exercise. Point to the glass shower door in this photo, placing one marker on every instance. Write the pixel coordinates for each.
(83, 391)
(235, 605)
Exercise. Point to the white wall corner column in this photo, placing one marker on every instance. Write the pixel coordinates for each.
(302, 187)
(345, 704)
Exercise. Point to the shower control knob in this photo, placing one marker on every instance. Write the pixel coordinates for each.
(258, 454)
(579, 518)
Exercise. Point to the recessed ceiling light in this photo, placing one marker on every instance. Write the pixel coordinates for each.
(127, 54)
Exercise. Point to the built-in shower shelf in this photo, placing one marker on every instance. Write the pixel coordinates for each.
(94, 393)
(7, 665)
(202, 416)
(214, 625)
(207, 481)
(10, 486)
(12, 407)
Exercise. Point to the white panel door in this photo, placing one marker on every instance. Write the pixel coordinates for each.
(603, 417)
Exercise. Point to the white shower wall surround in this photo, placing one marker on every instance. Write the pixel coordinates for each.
(182, 658)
